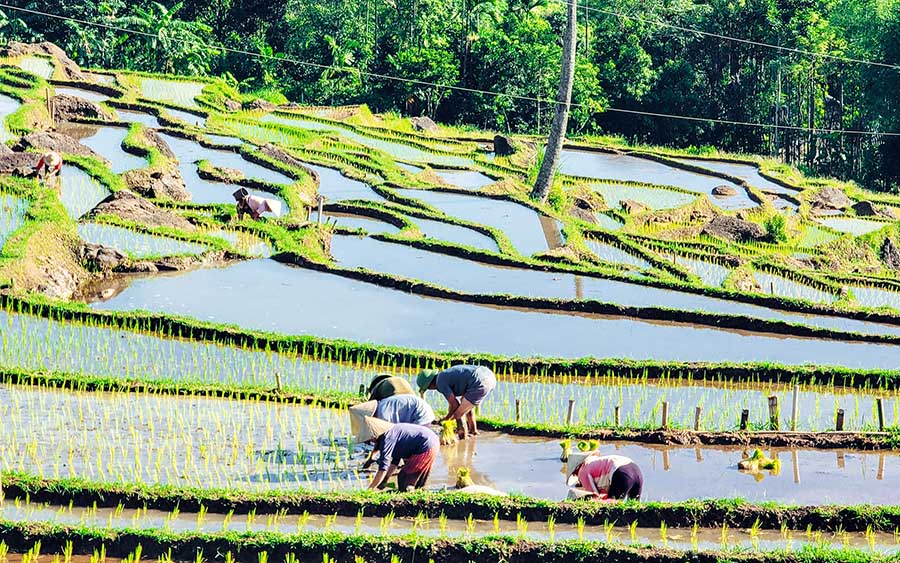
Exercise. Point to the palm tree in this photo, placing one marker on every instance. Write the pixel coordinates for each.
(561, 119)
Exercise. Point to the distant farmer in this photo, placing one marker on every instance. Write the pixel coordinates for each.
(253, 205)
(606, 477)
(385, 385)
(412, 445)
(464, 387)
(49, 168)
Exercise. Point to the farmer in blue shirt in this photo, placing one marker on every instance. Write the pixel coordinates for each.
(412, 445)
(464, 387)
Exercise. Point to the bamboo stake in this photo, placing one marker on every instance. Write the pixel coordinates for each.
(618, 415)
(773, 412)
(795, 407)
(665, 414)
(745, 415)
(879, 404)
(697, 412)
(518, 411)
(571, 414)
(839, 420)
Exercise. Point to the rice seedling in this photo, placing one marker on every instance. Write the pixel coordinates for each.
(137, 245)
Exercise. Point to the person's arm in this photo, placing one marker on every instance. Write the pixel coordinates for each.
(381, 476)
(453, 406)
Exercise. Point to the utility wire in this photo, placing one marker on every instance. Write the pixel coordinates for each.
(417, 82)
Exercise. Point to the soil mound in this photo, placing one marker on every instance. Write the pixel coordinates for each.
(734, 229)
(73, 108)
(69, 68)
(131, 207)
(158, 184)
(47, 141)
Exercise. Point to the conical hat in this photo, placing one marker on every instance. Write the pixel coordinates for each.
(373, 428)
(576, 459)
(358, 414)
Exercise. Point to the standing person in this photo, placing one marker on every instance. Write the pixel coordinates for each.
(49, 168)
(412, 445)
(608, 477)
(464, 387)
(386, 385)
(253, 205)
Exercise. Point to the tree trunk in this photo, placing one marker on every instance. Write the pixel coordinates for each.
(561, 118)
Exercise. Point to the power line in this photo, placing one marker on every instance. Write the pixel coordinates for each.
(722, 37)
(719, 121)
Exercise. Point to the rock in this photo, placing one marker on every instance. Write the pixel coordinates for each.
(99, 258)
(46, 141)
(153, 139)
(890, 254)
(424, 124)
(158, 184)
(69, 69)
(830, 199)
(632, 207)
(261, 105)
(734, 229)
(868, 209)
(232, 105)
(131, 207)
(504, 146)
(724, 191)
(18, 163)
(72, 108)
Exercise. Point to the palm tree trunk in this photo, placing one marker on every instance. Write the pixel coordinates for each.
(561, 119)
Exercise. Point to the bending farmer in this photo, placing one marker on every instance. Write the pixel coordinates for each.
(413, 445)
(384, 386)
(607, 477)
(254, 205)
(49, 168)
(464, 387)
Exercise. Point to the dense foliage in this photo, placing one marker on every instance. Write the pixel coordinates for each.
(513, 47)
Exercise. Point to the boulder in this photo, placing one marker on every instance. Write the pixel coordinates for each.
(99, 258)
(890, 254)
(232, 105)
(158, 184)
(424, 124)
(583, 209)
(504, 146)
(632, 207)
(830, 199)
(724, 191)
(69, 69)
(868, 209)
(131, 207)
(73, 108)
(733, 229)
(18, 163)
(153, 139)
(47, 141)
(261, 105)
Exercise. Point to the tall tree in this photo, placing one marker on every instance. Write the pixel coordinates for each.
(563, 99)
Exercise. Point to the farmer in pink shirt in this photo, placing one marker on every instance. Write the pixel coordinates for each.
(49, 168)
(255, 206)
(608, 477)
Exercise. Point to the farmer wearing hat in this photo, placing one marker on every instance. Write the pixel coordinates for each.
(385, 385)
(604, 477)
(464, 387)
(253, 205)
(412, 445)
(48, 168)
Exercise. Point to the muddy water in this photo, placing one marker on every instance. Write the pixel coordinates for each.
(189, 118)
(12, 215)
(621, 167)
(396, 150)
(876, 297)
(205, 191)
(337, 187)
(468, 179)
(476, 277)
(747, 172)
(607, 222)
(610, 253)
(409, 167)
(854, 226)
(7, 106)
(135, 244)
(521, 224)
(177, 92)
(676, 538)
(777, 285)
(368, 224)
(454, 233)
(244, 242)
(38, 344)
(254, 445)
(225, 140)
(80, 192)
(709, 273)
(107, 142)
(654, 198)
(145, 119)
(82, 93)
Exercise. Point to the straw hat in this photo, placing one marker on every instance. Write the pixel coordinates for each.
(372, 428)
(52, 158)
(575, 460)
(424, 379)
(358, 414)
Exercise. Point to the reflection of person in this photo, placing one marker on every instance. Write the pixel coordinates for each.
(253, 205)
(607, 477)
(414, 445)
(464, 387)
(49, 168)
(384, 386)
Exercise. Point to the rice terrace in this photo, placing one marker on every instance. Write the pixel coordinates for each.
(259, 309)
